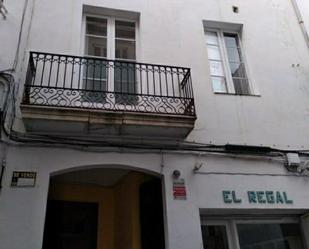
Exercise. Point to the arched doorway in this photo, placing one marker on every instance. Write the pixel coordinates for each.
(104, 208)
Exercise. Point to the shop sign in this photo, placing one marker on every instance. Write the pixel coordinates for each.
(179, 189)
(23, 179)
(257, 197)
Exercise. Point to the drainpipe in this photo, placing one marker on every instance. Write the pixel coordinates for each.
(300, 21)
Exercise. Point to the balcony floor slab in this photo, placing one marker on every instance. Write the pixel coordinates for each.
(59, 120)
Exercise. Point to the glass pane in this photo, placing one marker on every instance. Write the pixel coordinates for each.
(216, 68)
(231, 40)
(214, 237)
(95, 85)
(96, 46)
(96, 90)
(96, 69)
(233, 54)
(125, 77)
(238, 70)
(269, 236)
(96, 26)
(125, 30)
(241, 86)
(213, 52)
(125, 83)
(211, 38)
(218, 84)
(125, 50)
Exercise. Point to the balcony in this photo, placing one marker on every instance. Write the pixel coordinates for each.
(73, 94)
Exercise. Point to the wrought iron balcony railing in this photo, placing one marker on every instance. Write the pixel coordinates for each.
(95, 83)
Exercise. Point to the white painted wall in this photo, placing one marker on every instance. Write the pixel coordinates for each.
(22, 210)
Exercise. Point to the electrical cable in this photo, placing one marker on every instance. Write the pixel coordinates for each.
(20, 35)
(7, 92)
(82, 142)
(77, 141)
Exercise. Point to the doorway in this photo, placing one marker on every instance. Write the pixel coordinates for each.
(70, 225)
(151, 215)
(104, 209)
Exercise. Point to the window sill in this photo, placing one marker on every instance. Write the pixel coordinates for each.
(235, 94)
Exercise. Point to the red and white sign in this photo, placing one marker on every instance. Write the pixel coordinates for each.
(179, 189)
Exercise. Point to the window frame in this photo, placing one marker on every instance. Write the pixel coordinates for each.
(110, 42)
(96, 36)
(225, 61)
(226, 224)
(124, 39)
(222, 54)
(110, 36)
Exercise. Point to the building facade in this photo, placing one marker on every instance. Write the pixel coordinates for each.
(154, 124)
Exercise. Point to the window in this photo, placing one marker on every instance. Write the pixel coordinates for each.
(254, 234)
(269, 236)
(227, 68)
(214, 237)
(113, 39)
(125, 50)
(95, 72)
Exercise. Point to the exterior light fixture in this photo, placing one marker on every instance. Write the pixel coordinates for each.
(176, 174)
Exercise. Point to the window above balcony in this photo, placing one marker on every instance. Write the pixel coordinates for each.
(65, 93)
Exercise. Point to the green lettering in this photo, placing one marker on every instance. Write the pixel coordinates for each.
(252, 197)
(279, 197)
(260, 196)
(226, 196)
(235, 200)
(270, 197)
(287, 201)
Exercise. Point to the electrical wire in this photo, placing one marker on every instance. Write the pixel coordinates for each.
(74, 141)
(186, 147)
(82, 142)
(20, 35)
(8, 78)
